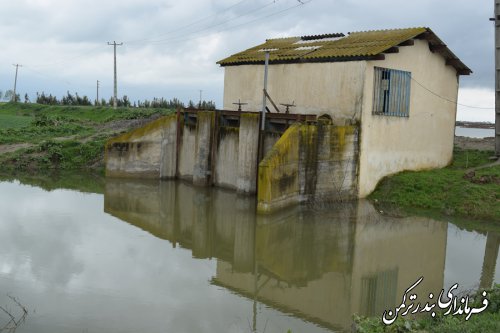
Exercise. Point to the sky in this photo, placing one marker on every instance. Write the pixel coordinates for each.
(170, 48)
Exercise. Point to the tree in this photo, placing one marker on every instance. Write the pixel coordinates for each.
(26, 98)
(8, 95)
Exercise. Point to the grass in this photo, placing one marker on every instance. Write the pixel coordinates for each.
(14, 121)
(62, 137)
(445, 191)
(486, 322)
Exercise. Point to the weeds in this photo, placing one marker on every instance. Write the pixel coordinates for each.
(485, 322)
(448, 190)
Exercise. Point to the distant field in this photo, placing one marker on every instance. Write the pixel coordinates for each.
(14, 121)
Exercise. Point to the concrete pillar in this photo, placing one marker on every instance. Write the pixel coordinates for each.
(168, 155)
(247, 153)
(202, 163)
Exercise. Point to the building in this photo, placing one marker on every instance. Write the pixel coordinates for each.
(398, 86)
(364, 106)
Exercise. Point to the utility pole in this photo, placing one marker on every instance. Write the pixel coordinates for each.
(115, 92)
(260, 148)
(264, 97)
(14, 99)
(97, 98)
(199, 105)
(496, 19)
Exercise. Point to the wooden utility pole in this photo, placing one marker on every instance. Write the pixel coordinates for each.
(14, 99)
(115, 91)
(496, 19)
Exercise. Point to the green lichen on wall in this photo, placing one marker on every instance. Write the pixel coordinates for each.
(310, 161)
(124, 142)
(338, 135)
(251, 116)
(310, 134)
(138, 133)
(278, 171)
(206, 116)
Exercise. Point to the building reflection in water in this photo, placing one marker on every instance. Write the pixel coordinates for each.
(321, 265)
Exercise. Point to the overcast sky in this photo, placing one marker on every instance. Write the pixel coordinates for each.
(170, 47)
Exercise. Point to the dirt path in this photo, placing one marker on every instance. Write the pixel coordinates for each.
(8, 148)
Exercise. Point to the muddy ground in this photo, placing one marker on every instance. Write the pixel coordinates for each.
(475, 143)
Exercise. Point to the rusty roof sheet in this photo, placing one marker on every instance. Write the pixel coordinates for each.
(362, 45)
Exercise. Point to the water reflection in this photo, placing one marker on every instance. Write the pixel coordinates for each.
(321, 266)
(490, 259)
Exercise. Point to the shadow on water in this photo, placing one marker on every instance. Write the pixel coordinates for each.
(321, 265)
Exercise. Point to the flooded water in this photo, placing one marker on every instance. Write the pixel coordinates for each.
(169, 257)
(474, 132)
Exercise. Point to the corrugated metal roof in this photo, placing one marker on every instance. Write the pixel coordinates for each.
(362, 45)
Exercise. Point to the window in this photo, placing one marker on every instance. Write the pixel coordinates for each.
(391, 96)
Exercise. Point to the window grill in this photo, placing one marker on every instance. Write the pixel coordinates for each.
(391, 96)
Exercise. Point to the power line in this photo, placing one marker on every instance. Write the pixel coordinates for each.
(447, 99)
(211, 26)
(235, 26)
(188, 25)
(46, 75)
(180, 38)
(66, 60)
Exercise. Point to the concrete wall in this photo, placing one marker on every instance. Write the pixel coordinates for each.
(424, 139)
(236, 154)
(145, 152)
(248, 153)
(226, 160)
(187, 148)
(309, 163)
(316, 88)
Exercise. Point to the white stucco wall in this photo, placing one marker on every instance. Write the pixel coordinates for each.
(316, 88)
(423, 140)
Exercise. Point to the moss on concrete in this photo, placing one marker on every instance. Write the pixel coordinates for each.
(143, 131)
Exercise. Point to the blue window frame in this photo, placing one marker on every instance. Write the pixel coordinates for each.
(391, 95)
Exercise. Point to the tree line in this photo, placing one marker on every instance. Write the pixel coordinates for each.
(77, 100)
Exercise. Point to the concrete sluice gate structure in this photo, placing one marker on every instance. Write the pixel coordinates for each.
(302, 158)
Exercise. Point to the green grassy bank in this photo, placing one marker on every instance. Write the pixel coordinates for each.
(40, 137)
(452, 191)
(487, 321)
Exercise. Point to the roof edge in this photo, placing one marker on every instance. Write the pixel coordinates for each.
(436, 45)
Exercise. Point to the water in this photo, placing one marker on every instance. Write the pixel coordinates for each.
(475, 132)
(169, 257)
